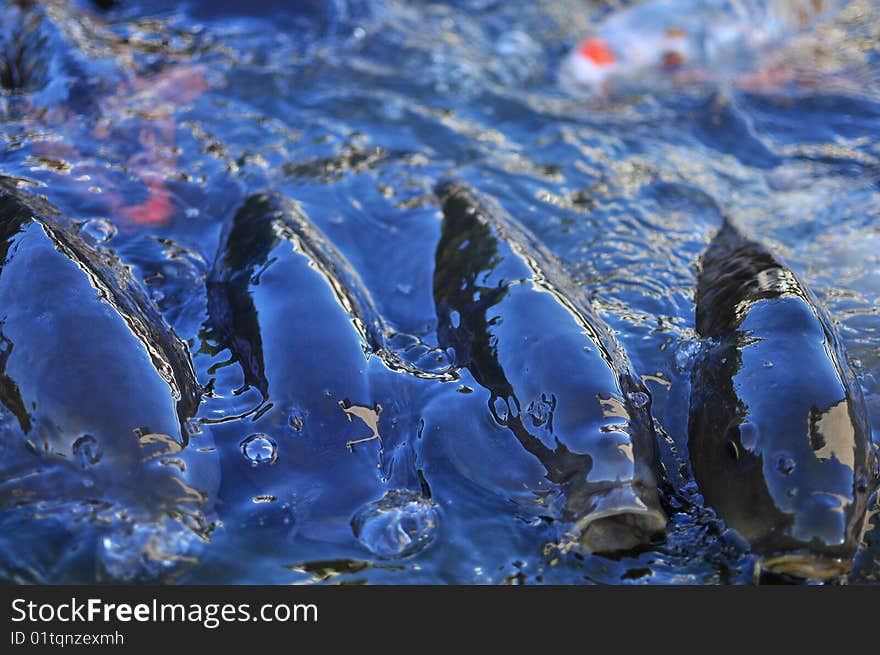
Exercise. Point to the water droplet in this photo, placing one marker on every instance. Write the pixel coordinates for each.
(455, 319)
(97, 230)
(638, 398)
(500, 410)
(259, 450)
(405, 289)
(785, 465)
(513, 406)
(464, 389)
(399, 524)
(87, 450)
(748, 435)
(768, 364)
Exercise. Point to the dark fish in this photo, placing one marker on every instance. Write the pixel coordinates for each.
(99, 390)
(305, 333)
(557, 380)
(247, 246)
(779, 437)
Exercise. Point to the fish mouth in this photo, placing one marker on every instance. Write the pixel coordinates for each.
(620, 521)
(808, 566)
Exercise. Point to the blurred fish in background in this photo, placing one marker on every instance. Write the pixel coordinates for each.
(688, 40)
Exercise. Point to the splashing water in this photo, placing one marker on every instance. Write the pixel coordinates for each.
(151, 123)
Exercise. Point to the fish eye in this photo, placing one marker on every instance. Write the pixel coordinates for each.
(732, 449)
(733, 438)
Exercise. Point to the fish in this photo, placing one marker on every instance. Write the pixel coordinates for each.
(658, 36)
(568, 428)
(98, 395)
(779, 439)
(246, 243)
(263, 222)
(310, 345)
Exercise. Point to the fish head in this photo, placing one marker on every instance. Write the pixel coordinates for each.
(615, 499)
(621, 518)
(779, 446)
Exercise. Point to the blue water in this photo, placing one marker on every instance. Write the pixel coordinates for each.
(355, 109)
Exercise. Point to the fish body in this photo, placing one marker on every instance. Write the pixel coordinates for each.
(779, 436)
(304, 332)
(562, 422)
(97, 390)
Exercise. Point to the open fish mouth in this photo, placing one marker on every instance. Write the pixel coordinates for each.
(808, 566)
(619, 522)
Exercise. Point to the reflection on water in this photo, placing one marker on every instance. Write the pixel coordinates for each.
(152, 123)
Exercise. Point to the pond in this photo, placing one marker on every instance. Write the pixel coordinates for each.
(168, 132)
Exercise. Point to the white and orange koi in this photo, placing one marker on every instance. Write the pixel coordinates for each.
(724, 36)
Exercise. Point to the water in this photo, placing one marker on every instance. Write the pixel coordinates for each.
(151, 122)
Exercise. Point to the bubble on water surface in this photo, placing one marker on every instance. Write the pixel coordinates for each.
(500, 410)
(97, 230)
(748, 435)
(259, 450)
(685, 354)
(639, 398)
(399, 524)
(541, 411)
